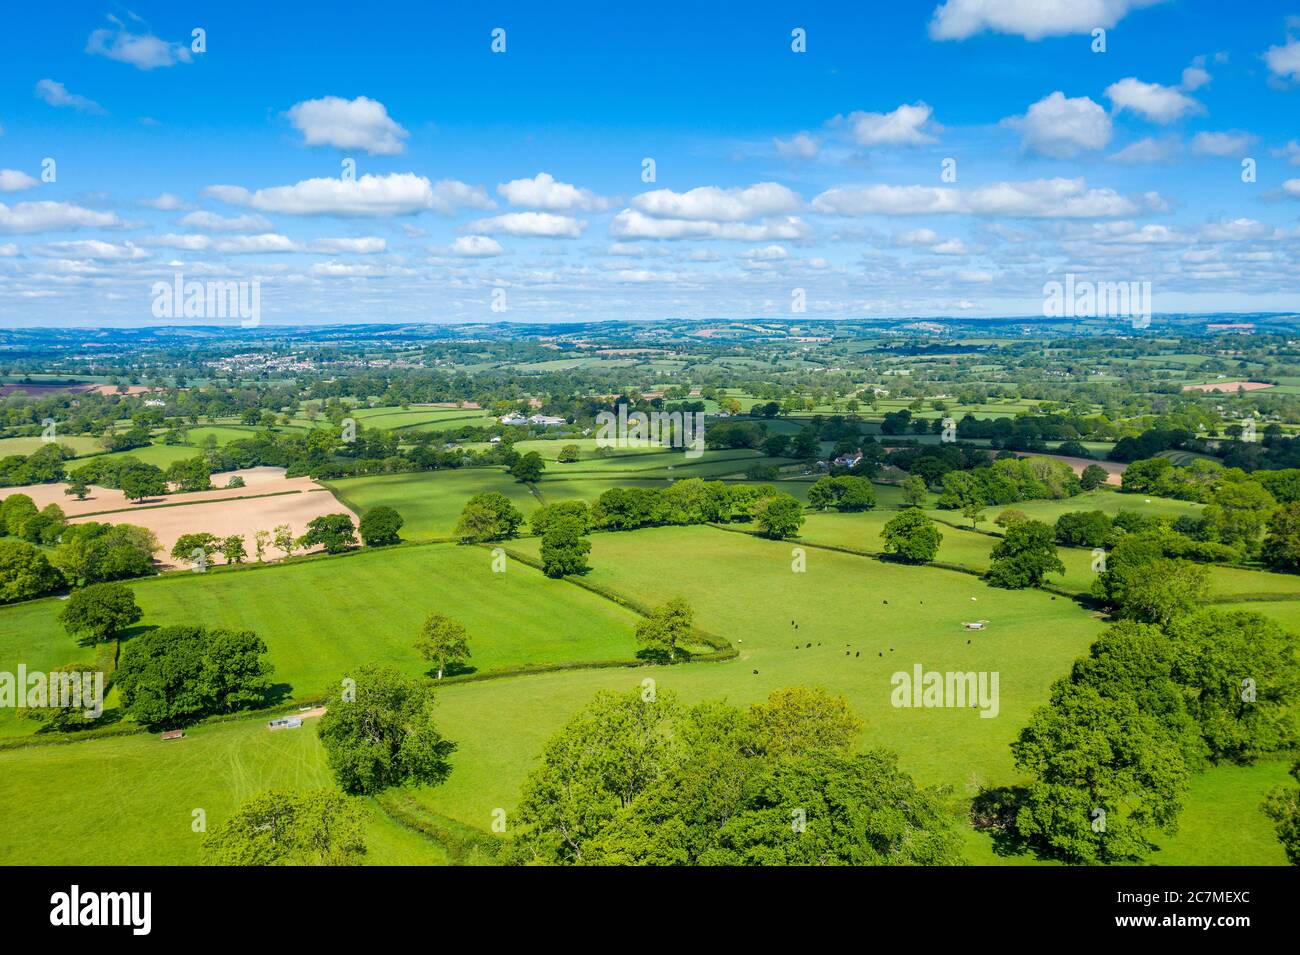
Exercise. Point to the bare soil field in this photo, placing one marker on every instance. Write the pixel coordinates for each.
(1229, 386)
(223, 512)
(1114, 469)
(103, 500)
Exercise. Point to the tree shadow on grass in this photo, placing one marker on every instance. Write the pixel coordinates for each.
(661, 657)
(110, 717)
(994, 811)
(122, 636)
(451, 669)
(276, 694)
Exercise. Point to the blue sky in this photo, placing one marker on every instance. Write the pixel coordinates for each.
(779, 175)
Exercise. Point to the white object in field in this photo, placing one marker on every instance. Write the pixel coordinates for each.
(285, 723)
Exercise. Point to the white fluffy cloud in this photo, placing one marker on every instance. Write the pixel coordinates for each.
(1292, 188)
(252, 244)
(202, 219)
(543, 191)
(144, 51)
(714, 204)
(1236, 230)
(1285, 60)
(1033, 199)
(274, 242)
(1290, 152)
(931, 241)
(1232, 143)
(188, 243)
(1061, 127)
(361, 245)
(167, 202)
(91, 249)
(768, 253)
(27, 217)
(533, 224)
(1160, 104)
(1146, 150)
(395, 194)
(476, 247)
(798, 146)
(14, 180)
(1031, 19)
(1195, 76)
(361, 123)
(633, 224)
(56, 94)
(905, 126)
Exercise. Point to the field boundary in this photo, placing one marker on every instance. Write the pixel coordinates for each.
(1077, 595)
(723, 649)
(155, 507)
(461, 842)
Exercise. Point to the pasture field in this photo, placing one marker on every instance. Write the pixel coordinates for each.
(419, 419)
(161, 455)
(322, 618)
(430, 501)
(1031, 640)
(865, 620)
(1111, 502)
(80, 443)
(26, 636)
(893, 615)
(129, 800)
(861, 532)
(194, 437)
(549, 449)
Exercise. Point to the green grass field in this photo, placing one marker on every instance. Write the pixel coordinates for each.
(859, 620)
(430, 502)
(79, 443)
(322, 618)
(130, 800)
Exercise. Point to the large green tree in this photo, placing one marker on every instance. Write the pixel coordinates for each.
(488, 517)
(564, 550)
(333, 532)
(911, 536)
(1281, 549)
(100, 612)
(379, 526)
(528, 468)
(1106, 776)
(1025, 556)
(663, 631)
(1243, 680)
(174, 675)
(290, 827)
(25, 572)
(443, 642)
(636, 779)
(1283, 807)
(379, 732)
(780, 516)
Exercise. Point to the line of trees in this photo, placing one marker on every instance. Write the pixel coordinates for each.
(640, 779)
